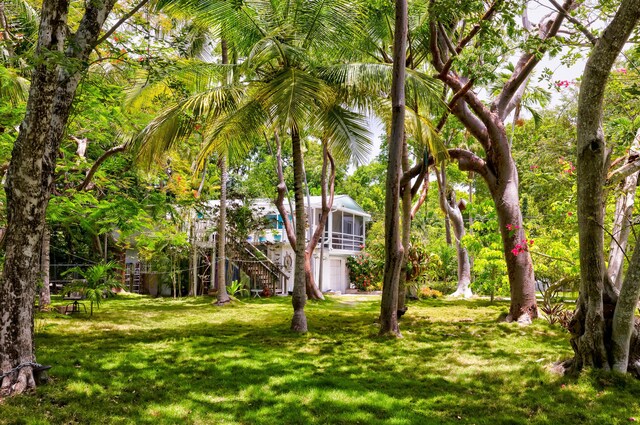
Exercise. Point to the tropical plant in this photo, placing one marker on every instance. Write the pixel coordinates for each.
(363, 272)
(96, 282)
(237, 288)
(288, 87)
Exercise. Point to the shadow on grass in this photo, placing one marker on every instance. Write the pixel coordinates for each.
(163, 361)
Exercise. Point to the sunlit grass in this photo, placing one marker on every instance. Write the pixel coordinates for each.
(142, 360)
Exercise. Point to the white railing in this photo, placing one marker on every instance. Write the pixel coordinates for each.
(345, 241)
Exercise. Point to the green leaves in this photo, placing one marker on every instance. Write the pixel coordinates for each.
(13, 88)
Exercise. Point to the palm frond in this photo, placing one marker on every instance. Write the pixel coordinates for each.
(13, 88)
(347, 133)
(425, 135)
(234, 133)
(178, 122)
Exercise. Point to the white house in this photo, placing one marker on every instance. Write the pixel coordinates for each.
(344, 236)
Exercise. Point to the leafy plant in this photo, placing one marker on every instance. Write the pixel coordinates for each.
(237, 289)
(553, 309)
(96, 282)
(426, 293)
(362, 271)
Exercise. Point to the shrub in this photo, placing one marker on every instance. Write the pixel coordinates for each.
(362, 272)
(426, 293)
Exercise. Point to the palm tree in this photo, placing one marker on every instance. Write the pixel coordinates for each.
(285, 89)
(97, 281)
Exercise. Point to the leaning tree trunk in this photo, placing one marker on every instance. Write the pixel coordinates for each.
(45, 290)
(464, 266)
(299, 298)
(223, 295)
(621, 228)
(602, 327)
(393, 244)
(312, 289)
(450, 208)
(405, 191)
(622, 219)
(30, 176)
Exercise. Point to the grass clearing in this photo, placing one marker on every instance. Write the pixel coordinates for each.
(162, 361)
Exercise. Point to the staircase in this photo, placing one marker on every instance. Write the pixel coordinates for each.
(262, 271)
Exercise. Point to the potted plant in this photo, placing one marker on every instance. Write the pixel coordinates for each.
(277, 236)
(262, 236)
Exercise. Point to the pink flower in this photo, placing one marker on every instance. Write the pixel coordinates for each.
(622, 70)
(515, 251)
(509, 227)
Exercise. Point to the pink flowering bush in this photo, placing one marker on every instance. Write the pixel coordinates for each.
(363, 272)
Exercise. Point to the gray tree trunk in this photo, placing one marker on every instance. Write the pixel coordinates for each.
(394, 250)
(30, 175)
(450, 208)
(593, 328)
(622, 221)
(299, 298)
(223, 295)
(406, 228)
(45, 290)
(621, 229)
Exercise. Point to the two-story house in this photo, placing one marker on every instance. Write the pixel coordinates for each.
(344, 236)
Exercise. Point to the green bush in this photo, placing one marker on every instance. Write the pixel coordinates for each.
(363, 272)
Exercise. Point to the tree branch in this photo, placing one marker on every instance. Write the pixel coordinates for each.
(527, 62)
(121, 21)
(474, 30)
(583, 29)
(282, 191)
(468, 161)
(327, 201)
(98, 163)
(423, 195)
(623, 172)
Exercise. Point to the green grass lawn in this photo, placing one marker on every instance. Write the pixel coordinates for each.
(142, 360)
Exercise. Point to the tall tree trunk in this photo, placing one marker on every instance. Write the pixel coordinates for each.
(450, 207)
(394, 250)
(523, 306)
(30, 176)
(622, 219)
(486, 124)
(312, 289)
(223, 295)
(447, 221)
(45, 290)
(621, 229)
(601, 327)
(299, 298)
(407, 199)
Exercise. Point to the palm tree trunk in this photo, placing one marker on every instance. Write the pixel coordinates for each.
(299, 298)
(393, 245)
(223, 295)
